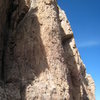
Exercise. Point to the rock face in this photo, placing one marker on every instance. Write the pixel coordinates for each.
(38, 56)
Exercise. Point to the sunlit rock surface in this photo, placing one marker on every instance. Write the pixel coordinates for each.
(38, 56)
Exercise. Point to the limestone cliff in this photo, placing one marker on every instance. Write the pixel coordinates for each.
(38, 56)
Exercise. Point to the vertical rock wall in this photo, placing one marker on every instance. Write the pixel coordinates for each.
(38, 56)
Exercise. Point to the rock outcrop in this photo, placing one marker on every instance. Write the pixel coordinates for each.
(38, 56)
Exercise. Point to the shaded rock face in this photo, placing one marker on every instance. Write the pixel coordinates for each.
(38, 56)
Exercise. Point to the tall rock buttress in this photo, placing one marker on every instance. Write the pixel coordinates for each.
(38, 56)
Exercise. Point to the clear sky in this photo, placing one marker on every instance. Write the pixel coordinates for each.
(84, 17)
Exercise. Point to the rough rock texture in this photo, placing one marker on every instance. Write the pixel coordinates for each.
(38, 56)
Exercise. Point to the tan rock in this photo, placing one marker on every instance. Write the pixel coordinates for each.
(39, 60)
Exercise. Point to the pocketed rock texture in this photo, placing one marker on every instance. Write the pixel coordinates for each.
(38, 56)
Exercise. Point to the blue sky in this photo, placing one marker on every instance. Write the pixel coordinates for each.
(84, 17)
